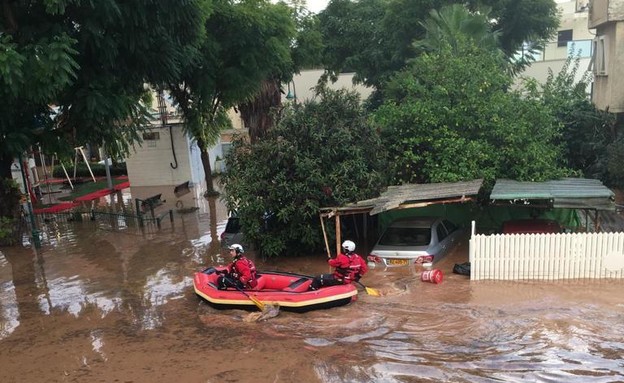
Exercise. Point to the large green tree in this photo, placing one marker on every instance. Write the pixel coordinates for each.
(319, 154)
(75, 72)
(91, 60)
(258, 111)
(374, 38)
(451, 117)
(247, 41)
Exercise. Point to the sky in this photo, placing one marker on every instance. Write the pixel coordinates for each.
(316, 5)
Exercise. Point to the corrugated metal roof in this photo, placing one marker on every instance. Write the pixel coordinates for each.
(576, 193)
(397, 196)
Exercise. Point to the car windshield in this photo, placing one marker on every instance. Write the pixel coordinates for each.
(232, 226)
(406, 236)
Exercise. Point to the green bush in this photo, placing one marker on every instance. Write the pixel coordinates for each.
(323, 153)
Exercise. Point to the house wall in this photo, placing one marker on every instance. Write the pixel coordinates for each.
(302, 85)
(539, 70)
(608, 92)
(604, 11)
(150, 163)
(574, 16)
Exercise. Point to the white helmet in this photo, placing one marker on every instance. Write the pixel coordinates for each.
(349, 246)
(237, 247)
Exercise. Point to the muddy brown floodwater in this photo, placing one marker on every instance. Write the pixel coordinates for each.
(101, 305)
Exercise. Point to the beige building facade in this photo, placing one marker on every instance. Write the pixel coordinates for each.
(607, 18)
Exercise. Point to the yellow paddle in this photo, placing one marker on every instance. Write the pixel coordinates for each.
(369, 290)
(255, 300)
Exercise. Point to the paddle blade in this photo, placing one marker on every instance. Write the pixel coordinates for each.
(372, 291)
(258, 304)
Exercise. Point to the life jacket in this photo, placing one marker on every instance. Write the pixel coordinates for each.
(350, 273)
(252, 269)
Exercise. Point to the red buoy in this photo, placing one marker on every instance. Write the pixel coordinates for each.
(433, 276)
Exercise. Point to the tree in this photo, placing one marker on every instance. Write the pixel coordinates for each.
(374, 37)
(91, 60)
(319, 154)
(453, 24)
(258, 112)
(450, 117)
(586, 131)
(74, 72)
(248, 40)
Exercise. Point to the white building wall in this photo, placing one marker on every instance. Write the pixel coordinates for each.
(302, 85)
(574, 16)
(150, 163)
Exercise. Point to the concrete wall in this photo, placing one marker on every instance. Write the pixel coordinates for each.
(150, 163)
(607, 16)
(573, 17)
(608, 90)
(302, 86)
(605, 11)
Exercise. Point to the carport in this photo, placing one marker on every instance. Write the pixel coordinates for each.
(400, 197)
(587, 195)
(554, 256)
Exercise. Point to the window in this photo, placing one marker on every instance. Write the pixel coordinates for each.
(581, 48)
(600, 57)
(441, 232)
(450, 226)
(150, 138)
(563, 37)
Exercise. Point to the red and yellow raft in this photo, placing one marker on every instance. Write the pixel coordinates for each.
(289, 291)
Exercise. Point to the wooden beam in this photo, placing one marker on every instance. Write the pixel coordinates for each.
(337, 234)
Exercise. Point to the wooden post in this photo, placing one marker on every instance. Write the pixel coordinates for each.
(325, 236)
(338, 241)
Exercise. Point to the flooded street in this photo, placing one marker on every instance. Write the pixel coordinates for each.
(107, 305)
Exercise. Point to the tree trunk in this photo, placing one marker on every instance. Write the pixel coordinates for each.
(10, 217)
(257, 114)
(5, 167)
(205, 159)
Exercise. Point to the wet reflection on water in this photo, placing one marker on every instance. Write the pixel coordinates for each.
(104, 304)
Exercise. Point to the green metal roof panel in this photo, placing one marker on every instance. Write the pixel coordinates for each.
(565, 193)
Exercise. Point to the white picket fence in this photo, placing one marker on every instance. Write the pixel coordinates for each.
(546, 256)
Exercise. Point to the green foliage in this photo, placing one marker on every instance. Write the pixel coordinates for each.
(320, 154)
(374, 37)
(452, 25)
(247, 41)
(451, 117)
(91, 60)
(586, 130)
(615, 159)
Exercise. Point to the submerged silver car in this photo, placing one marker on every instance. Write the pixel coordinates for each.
(413, 240)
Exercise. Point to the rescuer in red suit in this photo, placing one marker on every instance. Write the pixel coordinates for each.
(348, 265)
(240, 273)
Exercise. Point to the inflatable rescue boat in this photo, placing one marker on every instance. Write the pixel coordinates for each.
(289, 291)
